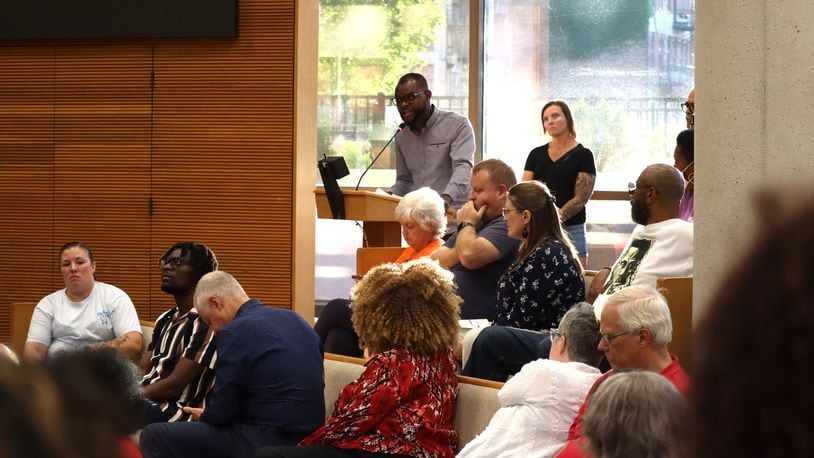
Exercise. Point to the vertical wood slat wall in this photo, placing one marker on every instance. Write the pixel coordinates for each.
(132, 145)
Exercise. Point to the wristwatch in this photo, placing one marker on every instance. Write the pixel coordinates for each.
(464, 224)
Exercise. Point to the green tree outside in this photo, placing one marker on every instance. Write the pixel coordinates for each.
(582, 29)
(365, 46)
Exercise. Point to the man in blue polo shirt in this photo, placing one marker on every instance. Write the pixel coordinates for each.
(480, 251)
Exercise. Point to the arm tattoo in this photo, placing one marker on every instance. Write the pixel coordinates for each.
(119, 341)
(583, 188)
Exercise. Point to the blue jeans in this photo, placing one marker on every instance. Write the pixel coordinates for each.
(577, 235)
(335, 329)
(500, 351)
(152, 413)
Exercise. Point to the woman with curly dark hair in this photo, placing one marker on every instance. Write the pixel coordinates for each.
(403, 404)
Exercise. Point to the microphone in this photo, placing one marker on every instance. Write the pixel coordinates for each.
(401, 126)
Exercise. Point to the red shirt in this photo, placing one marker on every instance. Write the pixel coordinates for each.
(403, 403)
(127, 448)
(577, 443)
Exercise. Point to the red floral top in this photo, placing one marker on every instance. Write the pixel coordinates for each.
(403, 403)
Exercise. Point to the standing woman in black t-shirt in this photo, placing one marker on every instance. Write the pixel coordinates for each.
(567, 168)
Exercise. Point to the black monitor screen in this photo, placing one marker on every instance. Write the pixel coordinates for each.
(80, 19)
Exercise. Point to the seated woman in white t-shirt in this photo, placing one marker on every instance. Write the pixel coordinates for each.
(85, 312)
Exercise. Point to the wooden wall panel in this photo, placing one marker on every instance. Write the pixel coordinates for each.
(223, 149)
(30, 267)
(102, 159)
(26, 177)
(132, 145)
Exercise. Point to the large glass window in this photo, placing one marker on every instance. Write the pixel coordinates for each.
(364, 47)
(623, 66)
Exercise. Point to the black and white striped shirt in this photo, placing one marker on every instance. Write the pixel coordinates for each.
(185, 336)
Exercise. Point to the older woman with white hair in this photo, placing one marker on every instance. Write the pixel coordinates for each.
(423, 220)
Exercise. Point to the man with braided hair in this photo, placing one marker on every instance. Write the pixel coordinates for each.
(178, 365)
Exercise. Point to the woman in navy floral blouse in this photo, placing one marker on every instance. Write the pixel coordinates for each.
(546, 278)
(403, 404)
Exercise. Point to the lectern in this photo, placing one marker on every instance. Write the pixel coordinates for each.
(376, 211)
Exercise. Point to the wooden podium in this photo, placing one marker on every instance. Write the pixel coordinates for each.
(376, 211)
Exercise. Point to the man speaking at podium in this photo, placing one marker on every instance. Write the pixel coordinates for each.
(437, 149)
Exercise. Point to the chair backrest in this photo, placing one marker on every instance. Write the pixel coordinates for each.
(339, 371)
(678, 291)
(146, 334)
(476, 405)
(367, 258)
(588, 276)
(20, 320)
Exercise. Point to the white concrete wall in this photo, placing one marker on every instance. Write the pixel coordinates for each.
(754, 116)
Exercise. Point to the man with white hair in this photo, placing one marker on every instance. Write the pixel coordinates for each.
(635, 329)
(268, 380)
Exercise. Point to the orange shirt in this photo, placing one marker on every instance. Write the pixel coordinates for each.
(409, 253)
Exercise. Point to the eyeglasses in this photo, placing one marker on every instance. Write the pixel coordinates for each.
(175, 262)
(554, 333)
(505, 210)
(633, 187)
(688, 108)
(607, 338)
(408, 98)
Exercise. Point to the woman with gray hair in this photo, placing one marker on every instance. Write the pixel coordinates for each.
(540, 402)
(423, 220)
(635, 413)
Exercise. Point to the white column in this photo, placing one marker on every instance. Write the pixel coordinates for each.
(754, 110)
